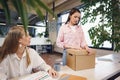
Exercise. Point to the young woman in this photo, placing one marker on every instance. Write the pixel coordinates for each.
(16, 59)
(71, 34)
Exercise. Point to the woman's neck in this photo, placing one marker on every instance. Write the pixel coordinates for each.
(71, 24)
(20, 52)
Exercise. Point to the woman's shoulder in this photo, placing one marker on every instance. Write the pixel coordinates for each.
(32, 52)
(79, 26)
(64, 25)
(30, 49)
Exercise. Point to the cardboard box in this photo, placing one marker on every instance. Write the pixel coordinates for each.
(79, 59)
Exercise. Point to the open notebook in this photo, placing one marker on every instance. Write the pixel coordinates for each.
(37, 76)
(45, 76)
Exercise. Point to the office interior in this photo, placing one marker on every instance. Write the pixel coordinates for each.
(44, 43)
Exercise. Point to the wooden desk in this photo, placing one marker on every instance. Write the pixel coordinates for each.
(41, 45)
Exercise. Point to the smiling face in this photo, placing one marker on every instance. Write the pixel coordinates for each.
(74, 18)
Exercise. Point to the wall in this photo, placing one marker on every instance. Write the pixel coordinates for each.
(1, 41)
(99, 52)
(52, 31)
(53, 34)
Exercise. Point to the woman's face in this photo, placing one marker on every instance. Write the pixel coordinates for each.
(74, 18)
(25, 40)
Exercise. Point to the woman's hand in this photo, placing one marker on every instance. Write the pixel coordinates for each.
(90, 51)
(53, 73)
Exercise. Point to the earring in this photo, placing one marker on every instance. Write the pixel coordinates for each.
(20, 45)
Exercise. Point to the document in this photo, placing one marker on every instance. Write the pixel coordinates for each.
(41, 75)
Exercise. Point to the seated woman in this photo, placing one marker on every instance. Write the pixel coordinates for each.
(16, 59)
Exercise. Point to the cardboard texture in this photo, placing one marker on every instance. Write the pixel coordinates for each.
(71, 77)
(79, 59)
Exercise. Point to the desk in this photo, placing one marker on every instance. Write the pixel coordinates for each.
(39, 41)
(102, 71)
(36, 76)
(34, 41)
(41, 45)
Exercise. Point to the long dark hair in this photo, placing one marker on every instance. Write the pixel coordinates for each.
(73, 10)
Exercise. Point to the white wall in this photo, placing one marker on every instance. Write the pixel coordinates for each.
(99, 52)
(1, 41)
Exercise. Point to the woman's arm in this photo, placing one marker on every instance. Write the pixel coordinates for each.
(60, 37)
(40, 65)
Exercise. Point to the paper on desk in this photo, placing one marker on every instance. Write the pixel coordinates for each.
(104, 59)
(42, 75)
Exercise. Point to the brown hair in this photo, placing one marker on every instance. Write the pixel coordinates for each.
(11, 42)
(73, 10)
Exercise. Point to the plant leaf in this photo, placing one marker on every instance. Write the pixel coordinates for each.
(22, 11)
(6, 9)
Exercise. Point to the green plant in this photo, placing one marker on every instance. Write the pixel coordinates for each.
(40, 34)
(110, 13)
(43, 34)
(23, 7)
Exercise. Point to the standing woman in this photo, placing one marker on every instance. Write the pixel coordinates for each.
(71, 34)
(16, 59)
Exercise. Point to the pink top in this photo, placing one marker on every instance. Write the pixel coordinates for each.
(68, 36)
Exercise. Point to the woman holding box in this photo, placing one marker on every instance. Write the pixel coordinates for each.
(71, 35)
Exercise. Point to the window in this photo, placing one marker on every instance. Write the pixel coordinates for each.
(87, 26)
(3, 30)
(35, 30)
(63, 17)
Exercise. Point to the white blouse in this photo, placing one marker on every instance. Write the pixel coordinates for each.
(12, 66)
(73, 28)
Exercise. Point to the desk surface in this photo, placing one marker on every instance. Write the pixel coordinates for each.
(103, 69)
(39, 41)
(34, 41)
(36, 76)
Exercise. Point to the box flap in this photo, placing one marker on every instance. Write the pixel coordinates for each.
(77, 51)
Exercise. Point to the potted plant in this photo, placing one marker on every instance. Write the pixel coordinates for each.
(110, 11)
